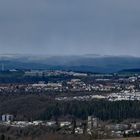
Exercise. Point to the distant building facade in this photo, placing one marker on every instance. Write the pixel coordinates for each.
(7, 117)
(92, 122)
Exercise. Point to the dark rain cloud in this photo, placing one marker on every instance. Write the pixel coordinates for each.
(70, 26)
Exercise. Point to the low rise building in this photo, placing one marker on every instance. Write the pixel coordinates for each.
(7, 117)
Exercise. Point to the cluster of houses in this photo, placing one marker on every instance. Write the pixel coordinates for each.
(121, 96)
(125, 95)
(77, 82)
(80, 98)
(91, 126)
(54, 73)
(74, 85)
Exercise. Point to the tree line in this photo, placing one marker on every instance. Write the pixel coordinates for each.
(43, 107)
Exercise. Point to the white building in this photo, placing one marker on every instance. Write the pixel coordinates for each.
(92, 122)
(7, 117)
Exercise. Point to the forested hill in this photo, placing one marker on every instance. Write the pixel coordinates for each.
(91, 63)
(27, 107)
(130, 71)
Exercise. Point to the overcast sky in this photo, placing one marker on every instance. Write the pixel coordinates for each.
(106, 27)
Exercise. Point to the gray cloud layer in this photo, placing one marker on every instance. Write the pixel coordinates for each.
(70, 26)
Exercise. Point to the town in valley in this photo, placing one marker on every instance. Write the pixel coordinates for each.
(74, 90)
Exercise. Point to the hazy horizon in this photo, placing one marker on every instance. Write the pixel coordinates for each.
(61, 54)
(76, 27)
